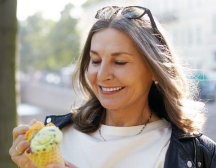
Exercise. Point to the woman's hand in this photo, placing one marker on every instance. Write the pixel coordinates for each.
(67, 165)
(20, 144)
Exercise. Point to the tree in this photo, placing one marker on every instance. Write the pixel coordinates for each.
(66, 39)
(8, 119)
(35, 46)
(48, 45)
(90, 2)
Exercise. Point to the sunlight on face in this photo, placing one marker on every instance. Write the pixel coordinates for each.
(117, 73)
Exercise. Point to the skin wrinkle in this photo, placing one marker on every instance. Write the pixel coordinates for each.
(162, 97)
(132, 101)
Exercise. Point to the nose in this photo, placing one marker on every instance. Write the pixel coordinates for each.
(105, 72)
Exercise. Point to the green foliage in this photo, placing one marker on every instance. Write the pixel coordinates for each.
(46, 44)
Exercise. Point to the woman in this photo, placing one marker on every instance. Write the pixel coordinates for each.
(139, 110)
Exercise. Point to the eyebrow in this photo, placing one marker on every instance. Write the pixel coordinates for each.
(113, 54)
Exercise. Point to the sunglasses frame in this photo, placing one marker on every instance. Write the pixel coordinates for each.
(157, 33)
(146, 11)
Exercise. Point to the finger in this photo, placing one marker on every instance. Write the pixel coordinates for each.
(22, 129)
(21, 147)
(19, 138)
(23, 161)
(27, 163)
(20, 143)
(32, 122)
(15, 143)
(68, 164)
(19, 131)
(54, 166)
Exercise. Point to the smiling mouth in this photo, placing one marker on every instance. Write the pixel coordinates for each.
(111, 89)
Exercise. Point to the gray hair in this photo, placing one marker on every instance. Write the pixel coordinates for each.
(174, 98)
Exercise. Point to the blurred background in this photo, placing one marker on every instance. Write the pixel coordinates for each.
(51, 33)
(50, 39)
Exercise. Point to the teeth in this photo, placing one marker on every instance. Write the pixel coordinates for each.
(111, 89)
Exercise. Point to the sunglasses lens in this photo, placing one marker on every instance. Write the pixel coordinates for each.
(106, 12)
(133, 12)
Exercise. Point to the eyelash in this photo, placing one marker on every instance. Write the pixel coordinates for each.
(121, 63)
(95, 62)
(118, 63)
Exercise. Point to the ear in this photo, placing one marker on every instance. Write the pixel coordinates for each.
(153, 78)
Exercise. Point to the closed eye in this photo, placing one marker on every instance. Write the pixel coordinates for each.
(120, 63)
(95, 62)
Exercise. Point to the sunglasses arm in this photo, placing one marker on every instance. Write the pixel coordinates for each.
(152, 21)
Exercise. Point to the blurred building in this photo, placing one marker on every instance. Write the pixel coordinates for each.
(190, 23)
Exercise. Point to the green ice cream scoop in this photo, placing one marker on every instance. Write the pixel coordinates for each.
(46, 139)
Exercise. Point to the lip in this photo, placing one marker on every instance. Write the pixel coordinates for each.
(110, 92)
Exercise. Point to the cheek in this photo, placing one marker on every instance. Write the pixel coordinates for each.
(91, 75)
(140, 78)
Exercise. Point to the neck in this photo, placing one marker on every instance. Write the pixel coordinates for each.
(128, 117)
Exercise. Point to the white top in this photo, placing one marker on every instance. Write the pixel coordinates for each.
(122, 148)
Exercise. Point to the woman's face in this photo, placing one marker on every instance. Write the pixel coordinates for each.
(118, 75)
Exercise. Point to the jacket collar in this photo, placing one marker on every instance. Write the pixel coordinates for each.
(180, 134)
(63, 120)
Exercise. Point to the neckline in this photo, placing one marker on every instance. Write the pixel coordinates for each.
(132, 130)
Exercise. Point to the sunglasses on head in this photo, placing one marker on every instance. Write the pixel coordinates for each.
(129, 12)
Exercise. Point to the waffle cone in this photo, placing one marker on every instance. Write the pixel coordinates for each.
(45, 158)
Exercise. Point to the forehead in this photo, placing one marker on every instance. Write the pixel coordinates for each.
(111, 38)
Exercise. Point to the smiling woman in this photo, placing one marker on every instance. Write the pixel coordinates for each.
(114, 60)
(139, 108)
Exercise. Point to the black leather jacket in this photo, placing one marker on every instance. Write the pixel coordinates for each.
(185, 149)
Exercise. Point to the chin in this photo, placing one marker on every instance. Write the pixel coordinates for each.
(109, 105)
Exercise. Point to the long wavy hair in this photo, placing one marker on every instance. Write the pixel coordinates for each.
(174, 98)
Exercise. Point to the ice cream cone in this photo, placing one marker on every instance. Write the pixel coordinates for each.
(44, 145)
(34, 130)
(45, 158)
